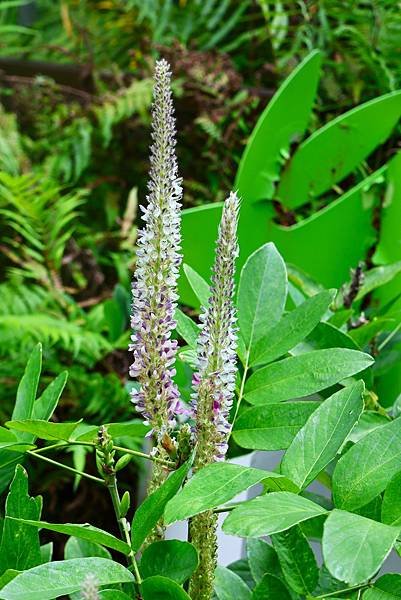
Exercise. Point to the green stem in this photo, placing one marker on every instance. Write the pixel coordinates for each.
(349, 589)
(161, 461)
(166, 463)
(66, 467)
(123, 525)
(223, 509)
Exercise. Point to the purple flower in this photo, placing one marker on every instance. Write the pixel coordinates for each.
(154, 289)
(214, 381)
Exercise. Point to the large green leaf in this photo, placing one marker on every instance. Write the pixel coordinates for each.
(319, 440)
(354, 548)
(297, 560)
(366, 469)
(169, 558)
(187, 328)
(55, 579)
(28, 386)
(261, 294)
(84, 532)
(284, 120)
(213, 486)
(199, 286)
(152, 508)
(79, 548)
(387, 587)
(20, 546)
(332, 152)
(271, 587)
(45, 405)
(228, 585)
(325, 230)
(44, 429)
(272, 426)
(291, 329)
(113, 595)
(304, 374)
(134, 428)
(162, 588)
(262, 558)
(391, 506)
(270, 514)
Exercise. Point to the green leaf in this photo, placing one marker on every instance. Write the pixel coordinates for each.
(367, 468)
(163, 589)
(113, 595)
(354, 547)
(187, 328)
(284, 119)
(44, 429)
(272, 426)
(46, 552)
(261, 294)
(297, 560)
(291, 329)
(7, 577)
(213, 486)
(271, 587)
(79, 548)
(303, 375)
(45, 405)
(28, 386)
(391, 506)
(152, 508)
(9, 441)
(20, 546)
(199, 286)
(333, 151)
(322, 436)
(262, 559)
(84, 532)
(377, 277)
(169, 558)
(229, 585)
(387, 587)
(55, 579)
(270, 514)
(241, 568)
(134, 428)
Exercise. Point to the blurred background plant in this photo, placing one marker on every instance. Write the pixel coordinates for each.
(75, 92)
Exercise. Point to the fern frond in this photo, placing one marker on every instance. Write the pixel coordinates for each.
(38, 222)
(15, 330)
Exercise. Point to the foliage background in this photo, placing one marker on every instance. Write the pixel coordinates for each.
(75, 90)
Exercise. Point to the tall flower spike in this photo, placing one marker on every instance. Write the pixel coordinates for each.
(158, 261)
(214, 385)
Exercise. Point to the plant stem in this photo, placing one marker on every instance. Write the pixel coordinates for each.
(349, 589)
(223, 509)
(123, 524)
(161, 461)
(66, 467)
(166, 463)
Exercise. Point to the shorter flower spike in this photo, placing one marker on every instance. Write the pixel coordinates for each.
(214, 381)
(214, 385)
